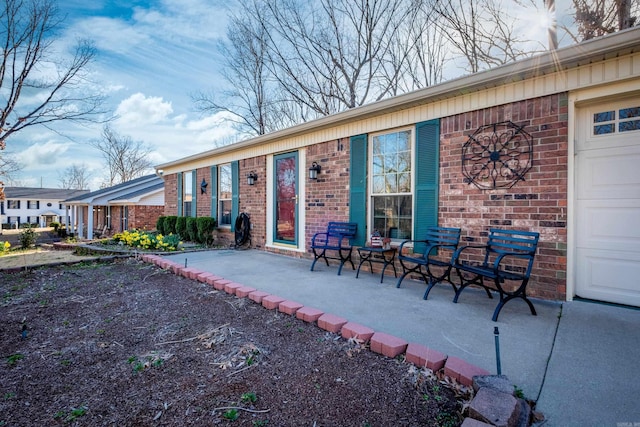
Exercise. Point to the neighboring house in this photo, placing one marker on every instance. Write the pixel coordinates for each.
(36, 206)
(134, 204)
(549, 144)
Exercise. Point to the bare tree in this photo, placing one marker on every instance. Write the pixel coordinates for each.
(482, 32)
(75, 177)
(251, 96)
(425, 52)
(8, 166)
(330, 58)
(31, 96)
(290, 61)
(596, 18)
(125, 158)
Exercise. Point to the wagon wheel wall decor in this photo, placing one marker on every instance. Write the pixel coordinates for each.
(497, 156)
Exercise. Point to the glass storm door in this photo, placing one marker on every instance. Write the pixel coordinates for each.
(286, 198)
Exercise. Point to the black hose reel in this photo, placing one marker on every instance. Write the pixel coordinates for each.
(242, 230)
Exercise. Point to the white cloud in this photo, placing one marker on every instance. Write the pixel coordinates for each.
(138, 109)
(39, 154)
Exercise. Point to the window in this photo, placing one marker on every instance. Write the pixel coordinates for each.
(623, 120)
(33, 204)
(187, 191)
(224, 195)
(13, 204)
(391, 184)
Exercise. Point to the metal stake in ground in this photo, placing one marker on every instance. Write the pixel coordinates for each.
(496, 334)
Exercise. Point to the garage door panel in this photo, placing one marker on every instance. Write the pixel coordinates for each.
(609, 276)
(607, 202)
(610, 228)
(613, 175)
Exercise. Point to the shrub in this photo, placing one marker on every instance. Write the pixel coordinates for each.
(181, 226)
(206, 225)
(27, 237)
(170, 225)
(4, 247)
(160, 225)
(192, 229)
(54, 225)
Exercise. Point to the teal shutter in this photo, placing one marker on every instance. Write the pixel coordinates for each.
(358, 187)
(235, 191)
(194, 194)
(180, 191)
(213, 184)
(425, 205)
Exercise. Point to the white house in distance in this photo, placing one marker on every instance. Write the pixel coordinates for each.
(36, 206)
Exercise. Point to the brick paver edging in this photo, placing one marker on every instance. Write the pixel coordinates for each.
(379, 342)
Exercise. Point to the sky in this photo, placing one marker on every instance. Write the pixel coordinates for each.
(152, 55)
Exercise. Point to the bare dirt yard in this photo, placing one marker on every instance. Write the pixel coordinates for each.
(125, 343)
(39, 256)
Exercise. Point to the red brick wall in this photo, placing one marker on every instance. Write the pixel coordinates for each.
(537, 204)
(171, 195)
(116, 223)
(328, 196)
(144, 217)
(253, 199)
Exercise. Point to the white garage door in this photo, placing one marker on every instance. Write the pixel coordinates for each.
(608, 202)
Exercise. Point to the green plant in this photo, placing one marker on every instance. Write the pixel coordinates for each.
(517, 391)
(192, 229)
(260, 423)
(4, 247)
(160, 225)
(27, 237)
(205, 225)
(249, 397)
(72, 415)
(13, 359)
(181, 226)
(170, 224)
(231, 414)
(9, 395)
(446, 419)
(54, 225)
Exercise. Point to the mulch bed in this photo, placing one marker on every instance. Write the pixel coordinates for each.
(126, 343)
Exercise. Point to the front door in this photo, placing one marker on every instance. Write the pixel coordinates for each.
(608, 202)
(286, 198)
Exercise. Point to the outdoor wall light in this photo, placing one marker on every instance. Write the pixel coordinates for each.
(314, 170)
(252, 177)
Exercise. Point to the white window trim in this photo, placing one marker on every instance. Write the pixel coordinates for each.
(412, 141)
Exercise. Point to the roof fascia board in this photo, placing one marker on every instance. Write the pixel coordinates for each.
(112, 193)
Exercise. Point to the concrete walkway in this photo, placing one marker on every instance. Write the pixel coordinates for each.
(578, 359)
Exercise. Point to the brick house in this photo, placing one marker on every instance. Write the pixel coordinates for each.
(567, 124)
(134, 204)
